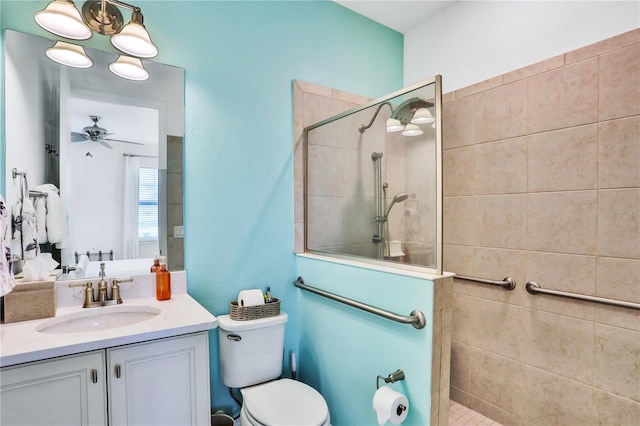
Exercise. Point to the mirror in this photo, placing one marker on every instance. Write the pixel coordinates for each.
(112, 148)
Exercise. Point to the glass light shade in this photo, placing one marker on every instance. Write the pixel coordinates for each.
(412, 130)
(134, 40)
(69, 54)
(422, 116)
(394, 125)
(61, 17)
(129, 68)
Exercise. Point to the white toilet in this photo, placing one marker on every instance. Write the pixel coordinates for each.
(251, 354)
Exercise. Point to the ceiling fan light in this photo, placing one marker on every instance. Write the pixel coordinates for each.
(61, 17)
(134, 38)
(422, 116)
(412, 130)
(69, 54)
(394, 125)
(129, 68)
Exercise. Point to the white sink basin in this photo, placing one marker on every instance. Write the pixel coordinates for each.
(96, 319)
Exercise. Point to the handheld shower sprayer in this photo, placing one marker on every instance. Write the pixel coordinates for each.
(398, 198)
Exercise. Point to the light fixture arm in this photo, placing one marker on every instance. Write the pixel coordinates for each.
(120, 4)
(362, 127)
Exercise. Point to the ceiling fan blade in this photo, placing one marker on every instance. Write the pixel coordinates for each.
(106, 145)
(78, 137)
(118, 140)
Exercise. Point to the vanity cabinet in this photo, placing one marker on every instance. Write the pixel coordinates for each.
(62, 391)
(154, 383)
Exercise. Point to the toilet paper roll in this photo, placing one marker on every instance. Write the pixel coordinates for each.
(82, 264)
(390, 405)
(251, 297)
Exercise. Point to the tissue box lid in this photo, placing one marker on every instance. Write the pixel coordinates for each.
(33, 286)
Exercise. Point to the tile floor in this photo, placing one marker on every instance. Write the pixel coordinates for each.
(459, 415)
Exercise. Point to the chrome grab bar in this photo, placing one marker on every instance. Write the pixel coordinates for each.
(507, 283)
(534, 288)
(417, 318)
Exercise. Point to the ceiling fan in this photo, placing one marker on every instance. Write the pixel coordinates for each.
(96, 133)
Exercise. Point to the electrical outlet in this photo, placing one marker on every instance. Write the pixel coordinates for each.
(178, 231)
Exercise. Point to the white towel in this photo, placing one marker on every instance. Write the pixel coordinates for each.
(16, 221)
(30, 246)
(56, 215)
(7, 281)
(41, 219)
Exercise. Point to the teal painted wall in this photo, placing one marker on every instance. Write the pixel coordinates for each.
(342, 349)
(239, 59)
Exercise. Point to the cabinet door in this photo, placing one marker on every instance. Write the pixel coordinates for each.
(164, 382)
(62, 391)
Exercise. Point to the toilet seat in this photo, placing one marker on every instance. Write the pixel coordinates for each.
(285, 402)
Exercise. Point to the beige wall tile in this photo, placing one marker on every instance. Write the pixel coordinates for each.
(501, 167)
(312, 88)
(479, 87)
(461, 356)
(448, 97)
(489, 325)
(562, 222)
(458, 259)
(298, 144)
(571, 273)
(619, 223)
(611, 410)
(317, 108)
(458, 220)
(619, 153)
(349, 97)
(457, 123)
(618, 279)
(563, 159)
(618, 317)
(604, 46)
(501, 113)
(498, 381)
(460, 396)
(561, 345)
(617, 361)
(555, 400)
(537, 68)
(297, 94)
(500, 221)
(620, 83)
(457, 170)
(496, 264)
(563, 97)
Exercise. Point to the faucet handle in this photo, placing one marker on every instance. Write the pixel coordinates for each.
(88, 293)
(115, 289)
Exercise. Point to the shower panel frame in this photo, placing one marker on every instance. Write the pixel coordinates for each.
(437, 103)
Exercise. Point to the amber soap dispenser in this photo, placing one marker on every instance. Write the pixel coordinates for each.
(163, 281)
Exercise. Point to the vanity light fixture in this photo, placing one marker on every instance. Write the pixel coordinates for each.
(422, 116)
(129, 68)
(412, 130)
(61, 17)
(405, 117)
(394, 125)
(69, 54)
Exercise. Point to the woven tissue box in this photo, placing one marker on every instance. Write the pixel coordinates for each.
(247, 313)
(30, 300)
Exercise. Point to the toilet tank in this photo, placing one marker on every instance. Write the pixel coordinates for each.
(250, 352)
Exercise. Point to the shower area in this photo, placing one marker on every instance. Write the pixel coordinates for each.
(373, 180)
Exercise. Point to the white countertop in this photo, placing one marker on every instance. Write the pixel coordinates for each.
(20, 342)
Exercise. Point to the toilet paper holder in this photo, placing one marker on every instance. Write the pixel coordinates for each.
(391, 378)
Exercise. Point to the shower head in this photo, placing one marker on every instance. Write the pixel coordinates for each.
(398, 198)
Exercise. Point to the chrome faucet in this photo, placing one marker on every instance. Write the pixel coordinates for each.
(103, 298)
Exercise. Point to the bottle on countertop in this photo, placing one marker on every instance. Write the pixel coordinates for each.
(267, 296)
(163, 281)
(156, 263)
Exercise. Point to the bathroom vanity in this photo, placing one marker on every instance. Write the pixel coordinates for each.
(98, 366)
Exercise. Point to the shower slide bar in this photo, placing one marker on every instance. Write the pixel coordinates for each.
(534, 288)
(507, 283)
(416, 319)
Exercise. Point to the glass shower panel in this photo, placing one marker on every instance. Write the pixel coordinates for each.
(373, 181)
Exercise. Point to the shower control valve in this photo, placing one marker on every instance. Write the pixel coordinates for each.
(377, 239)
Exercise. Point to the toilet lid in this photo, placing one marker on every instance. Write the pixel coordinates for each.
(285, 402)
